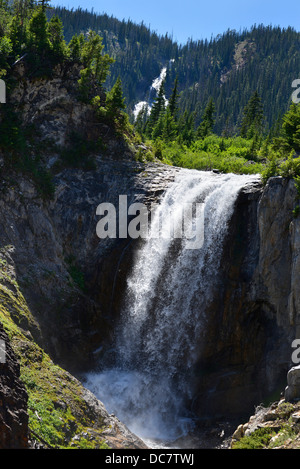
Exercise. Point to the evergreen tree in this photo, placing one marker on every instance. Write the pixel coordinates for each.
(141, 120)
(4, 17)
(158, 128)
(115, 102)
(173, 102)
(186, 128)
(169, 131)
(75, 47)
(39, 42)
(157, 109)
(22, 10)
(5, 51)
(56, 36)
(93, 58)
(44, 4)
(96, 66)
(17, 35)
(252, 122)
(291, 127)
(208, 120)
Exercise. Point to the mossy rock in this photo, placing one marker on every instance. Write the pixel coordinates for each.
(57, 409)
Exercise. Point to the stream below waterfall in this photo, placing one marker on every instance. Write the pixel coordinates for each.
(162, 325)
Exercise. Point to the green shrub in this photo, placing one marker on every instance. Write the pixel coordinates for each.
(270, 170)
(259, 439)
(290, 167)
(296, 211)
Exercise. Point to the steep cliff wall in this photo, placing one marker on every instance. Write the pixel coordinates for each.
(70, 282)
(13, 400)
(42, 405)
(255, 310)
(68, 275)
(57, 278)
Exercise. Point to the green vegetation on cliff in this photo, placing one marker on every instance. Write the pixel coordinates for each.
(274, 427)
(59, 416)
(175, 139)
(228, 68)
(240, 103)
(30, 40)
(174, 132)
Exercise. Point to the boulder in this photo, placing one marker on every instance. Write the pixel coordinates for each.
(292, 391)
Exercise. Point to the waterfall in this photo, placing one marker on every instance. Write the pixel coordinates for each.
(163, 322)
(154, 89)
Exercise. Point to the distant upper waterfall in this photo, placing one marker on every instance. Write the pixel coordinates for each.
(154, 88)
(163, 321)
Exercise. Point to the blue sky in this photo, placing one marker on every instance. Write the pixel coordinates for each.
(197, 19)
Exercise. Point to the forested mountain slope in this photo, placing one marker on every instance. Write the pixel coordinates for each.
(228, 68)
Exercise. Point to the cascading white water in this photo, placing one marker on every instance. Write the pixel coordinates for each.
(163, 322)
(154, 89)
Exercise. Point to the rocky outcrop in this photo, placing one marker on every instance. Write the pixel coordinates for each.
(115, 434)
(272, 427)
(278, 268)
(42, 405)
(13, 399)
(51, 106)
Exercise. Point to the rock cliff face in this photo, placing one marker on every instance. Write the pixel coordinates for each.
(13, 400)
(72, 281)
(69, 280)
(58, 280)
(69, 276)
(255, 312)
(51, 105)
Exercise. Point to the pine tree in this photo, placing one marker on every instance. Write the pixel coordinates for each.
(115, 102)
(157, 109)
(253, 116)
(208, 120)
(186, 128)
(158, 128)
(96, 65)
(169, 131)
(17, 35)
(75, 47)
(44, 4)
(93, 58)
(56, 36)
(5, 51)
(39, 41)
(173, 102)
(291, 127)
(21, 10)
(4, 17)
(141, 120)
